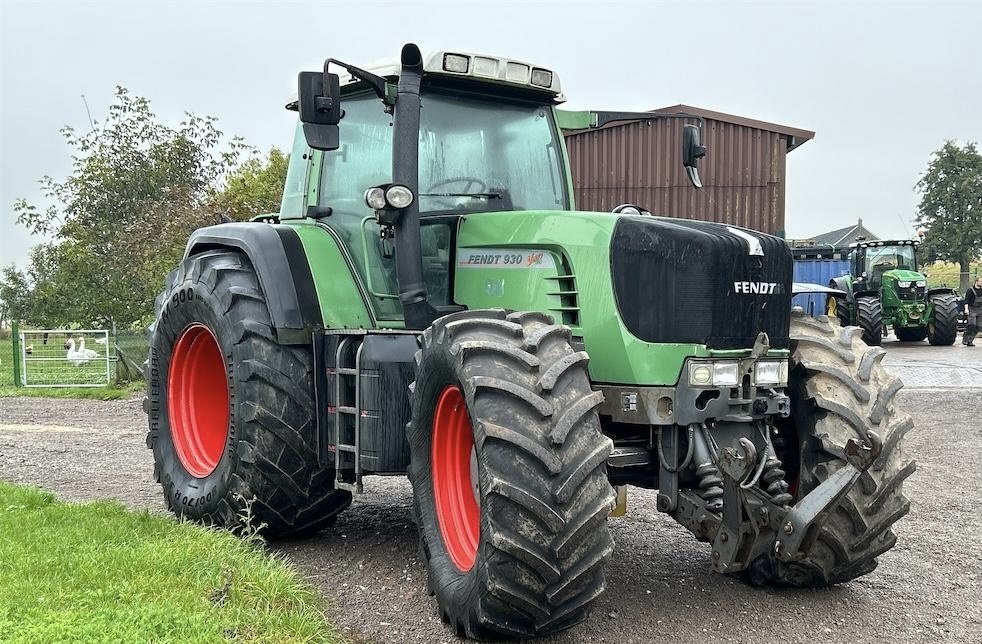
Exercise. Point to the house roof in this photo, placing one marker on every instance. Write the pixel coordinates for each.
(845, 236)
(796, 136)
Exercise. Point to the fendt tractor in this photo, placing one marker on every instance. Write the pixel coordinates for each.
(427, 301)
(885, 289)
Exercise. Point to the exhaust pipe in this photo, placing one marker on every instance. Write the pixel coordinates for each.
(417, 310)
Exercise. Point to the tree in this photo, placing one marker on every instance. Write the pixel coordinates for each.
(254, 188)
(137, 189)
(951, 206)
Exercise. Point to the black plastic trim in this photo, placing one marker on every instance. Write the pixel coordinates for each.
(284, 275)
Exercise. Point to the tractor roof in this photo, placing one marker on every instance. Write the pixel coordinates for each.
(885, 242)
(473, 67)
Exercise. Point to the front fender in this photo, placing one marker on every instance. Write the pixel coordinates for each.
(284, 274)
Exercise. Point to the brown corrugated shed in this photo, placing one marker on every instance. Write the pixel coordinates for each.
(640, 162)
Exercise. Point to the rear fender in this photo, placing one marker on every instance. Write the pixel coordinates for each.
(941, 291)
(843, 283)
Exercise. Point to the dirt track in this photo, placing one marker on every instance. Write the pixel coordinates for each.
(928, 589)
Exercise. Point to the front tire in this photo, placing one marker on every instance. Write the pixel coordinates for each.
(943, 328)
(840, 391)
(509, 474)
(869, 317)
(231, 411)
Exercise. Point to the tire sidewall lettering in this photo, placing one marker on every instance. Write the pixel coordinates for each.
(182, 307)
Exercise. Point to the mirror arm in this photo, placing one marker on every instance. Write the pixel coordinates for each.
(377, 83)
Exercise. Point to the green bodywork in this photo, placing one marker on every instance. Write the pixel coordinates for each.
(573, 285)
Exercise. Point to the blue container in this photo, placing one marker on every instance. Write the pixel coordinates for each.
(816, 271)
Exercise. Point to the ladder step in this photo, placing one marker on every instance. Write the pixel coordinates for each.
(343, 409)
(346, 371)
(347, 448)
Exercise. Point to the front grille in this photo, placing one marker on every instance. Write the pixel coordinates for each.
(695, 282)
(912, 293)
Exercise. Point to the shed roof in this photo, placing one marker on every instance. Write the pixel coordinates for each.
(795, 136)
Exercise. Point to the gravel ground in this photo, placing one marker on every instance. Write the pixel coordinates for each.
(927, 589)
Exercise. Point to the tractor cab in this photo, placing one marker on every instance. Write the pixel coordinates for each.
(488, 141)
(890, 264)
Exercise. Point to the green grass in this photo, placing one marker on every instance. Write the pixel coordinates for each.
(7, 388)
(96, 572)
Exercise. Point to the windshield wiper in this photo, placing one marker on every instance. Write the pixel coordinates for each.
(476, 195)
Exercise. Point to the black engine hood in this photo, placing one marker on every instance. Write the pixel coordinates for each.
(677, 280)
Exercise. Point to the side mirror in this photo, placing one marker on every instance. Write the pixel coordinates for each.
(692, 151)
(319, 104)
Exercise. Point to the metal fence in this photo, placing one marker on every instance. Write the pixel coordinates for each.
(131, 352)
(65, 358)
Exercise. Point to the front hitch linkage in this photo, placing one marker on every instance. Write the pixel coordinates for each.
(752, 523)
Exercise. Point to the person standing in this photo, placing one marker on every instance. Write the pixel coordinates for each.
(973, 311)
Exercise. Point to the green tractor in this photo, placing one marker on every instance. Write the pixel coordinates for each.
(885, 290)
(427, 301)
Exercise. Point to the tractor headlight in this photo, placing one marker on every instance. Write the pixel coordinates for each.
(701, 375)
(921, 283)
(724, 373)
(771, 372)
(542, 77)
(903, 284)
(389, 197)
(456, 63)
(375, 198)
(398, 197)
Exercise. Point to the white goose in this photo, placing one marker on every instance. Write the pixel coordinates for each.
(79, 356)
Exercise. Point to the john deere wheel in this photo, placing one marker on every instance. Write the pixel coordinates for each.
(231, 411)
(943, 329)
(839, 391)
(836, 306)
(869, 317)
(509, 474)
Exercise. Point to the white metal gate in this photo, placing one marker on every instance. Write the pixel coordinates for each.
(65, 358)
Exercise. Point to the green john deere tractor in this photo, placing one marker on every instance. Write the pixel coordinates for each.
(427, 301)
(885, 290)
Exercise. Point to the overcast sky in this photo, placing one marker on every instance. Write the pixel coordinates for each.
(882, 83)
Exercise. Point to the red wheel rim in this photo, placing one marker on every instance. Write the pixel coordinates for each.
(454, 478)
(198, 400)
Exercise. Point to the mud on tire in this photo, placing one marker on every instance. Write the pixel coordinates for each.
(269, 457)
(839, 391)
(543, 491)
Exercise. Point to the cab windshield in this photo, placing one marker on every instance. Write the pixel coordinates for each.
(880, 259)
(886, 258)
(475, 155)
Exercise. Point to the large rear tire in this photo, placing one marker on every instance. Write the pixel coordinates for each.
(943, 329)
(840, 391)
(231, 411)
(869, 317)
(509, 474)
